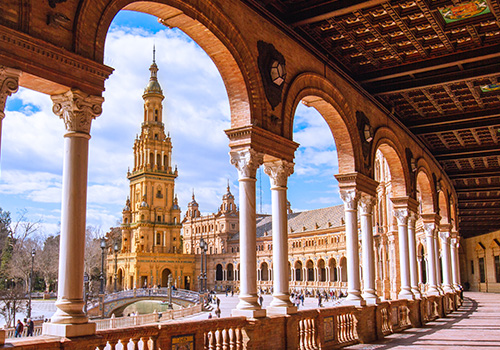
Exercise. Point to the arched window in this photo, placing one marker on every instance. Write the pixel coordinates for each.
(264, 272)
(158, 238)
(298, 271)
(230, 272)
(310, 270)
(156, 115)
(218, 272)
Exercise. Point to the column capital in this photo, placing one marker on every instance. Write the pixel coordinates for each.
(278, 172)
(9, 84)
(350, 198)
(77, 109)
(402, 216)
(412, 217)
(358, 181)
(429, 229)
(366, 203)
(445, 236)
(247, 161)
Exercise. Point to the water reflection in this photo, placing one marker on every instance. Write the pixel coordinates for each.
(147, 307)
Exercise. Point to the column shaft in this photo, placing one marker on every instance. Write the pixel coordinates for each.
(247, 162)
(438, 262)
(412, 247)
(9, 84)
(455, 263)
(77, 109)
(350, 198)
(431, 260)
(369, 291)
(447, 278)
(404, 259)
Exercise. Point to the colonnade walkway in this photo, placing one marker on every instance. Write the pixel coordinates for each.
(476, 325)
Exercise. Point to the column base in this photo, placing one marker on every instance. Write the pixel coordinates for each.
(354, 299)
(249, 313)
(447, 288)
(69, 330)
(371, 299)
(406, 295)
(282, 310)
(432, 290)
(416, 293)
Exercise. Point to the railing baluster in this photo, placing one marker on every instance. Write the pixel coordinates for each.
(225, 340)
(218, 341)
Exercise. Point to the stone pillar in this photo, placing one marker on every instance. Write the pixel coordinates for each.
(9, 84)
(278, 172)
(431, 260)
(438, 262)
(77, 109)
(366, 204)
(247, 162)
(455, 266)
(412, 247)
(404, 259)
(350, 198)
(447, 276)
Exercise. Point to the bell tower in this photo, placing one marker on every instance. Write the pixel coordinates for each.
(151, 225)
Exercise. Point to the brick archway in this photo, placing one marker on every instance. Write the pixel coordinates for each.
(426, 194)
(206, 25)
(316, 91)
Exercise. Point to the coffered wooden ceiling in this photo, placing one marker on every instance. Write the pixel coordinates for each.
(435, 65)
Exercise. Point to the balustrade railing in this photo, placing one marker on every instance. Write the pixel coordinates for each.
(323, 328)
(155, 317)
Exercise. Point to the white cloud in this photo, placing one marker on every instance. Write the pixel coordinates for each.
(196, 113)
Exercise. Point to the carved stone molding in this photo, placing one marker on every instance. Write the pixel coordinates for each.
(445, 237)
(77, 109)
(9, 84)
(278, 172)
(366, 203)
(402, 216)
(247, 162)
(350, 198)
(412, 218)
(429, 229)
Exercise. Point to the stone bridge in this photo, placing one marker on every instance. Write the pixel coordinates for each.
(118, 301)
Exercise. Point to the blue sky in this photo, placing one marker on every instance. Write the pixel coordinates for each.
(195, 101)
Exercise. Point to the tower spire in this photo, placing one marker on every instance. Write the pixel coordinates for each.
(153, 85)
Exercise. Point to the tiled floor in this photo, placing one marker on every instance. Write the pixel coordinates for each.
(476, 325)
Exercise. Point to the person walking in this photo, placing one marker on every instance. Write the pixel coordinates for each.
(19, 329)
(31, 327)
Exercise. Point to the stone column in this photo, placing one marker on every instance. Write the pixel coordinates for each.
(9, 84)
(404, 259)
(366, 204)
(455, 267)
(77, 109)
(247, 162)
(350, 198)
(447, 276)
(412, 247)
(438, 262)
(278, 172)
(431, 260)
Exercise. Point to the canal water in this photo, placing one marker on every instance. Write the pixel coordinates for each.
(147, 307)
